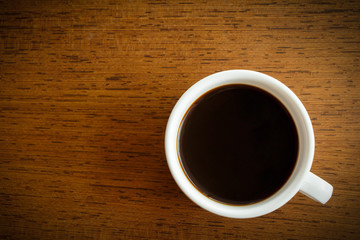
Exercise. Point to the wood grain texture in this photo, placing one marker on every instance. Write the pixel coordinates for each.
(86, 88)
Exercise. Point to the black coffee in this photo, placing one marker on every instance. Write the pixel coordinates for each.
(238, 144)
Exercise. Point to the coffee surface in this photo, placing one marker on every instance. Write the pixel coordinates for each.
(238, 144)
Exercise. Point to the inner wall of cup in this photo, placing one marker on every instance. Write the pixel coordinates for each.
(290, 105)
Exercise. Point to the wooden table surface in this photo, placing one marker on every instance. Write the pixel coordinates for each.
(87, 87)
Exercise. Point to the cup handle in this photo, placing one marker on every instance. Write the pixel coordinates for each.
(316, 188)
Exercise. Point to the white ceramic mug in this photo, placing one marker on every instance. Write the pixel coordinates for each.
(301, 179)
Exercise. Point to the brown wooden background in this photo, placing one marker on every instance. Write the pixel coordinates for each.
(86, 88)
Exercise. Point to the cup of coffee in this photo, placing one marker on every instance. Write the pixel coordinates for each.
(240, 144)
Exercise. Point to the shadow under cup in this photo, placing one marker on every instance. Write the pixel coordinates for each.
(238, 144)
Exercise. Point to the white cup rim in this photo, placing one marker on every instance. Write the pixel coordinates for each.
(300, 117)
